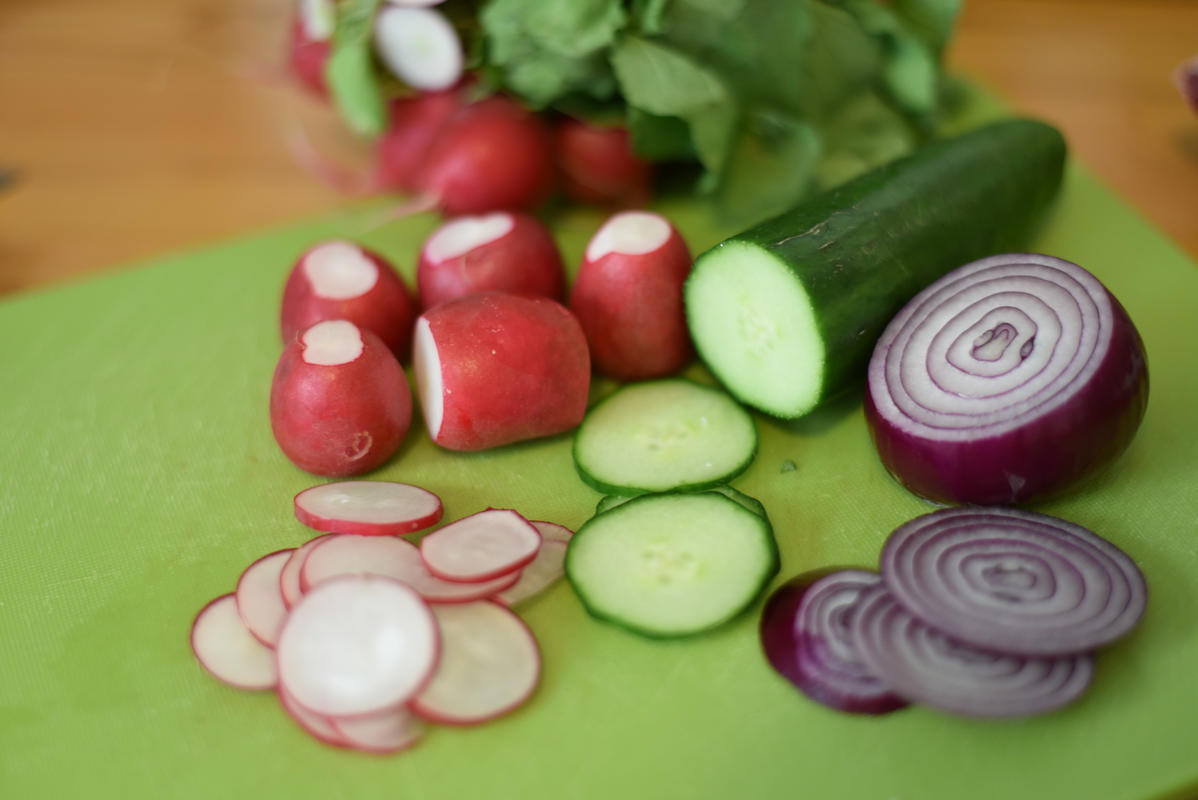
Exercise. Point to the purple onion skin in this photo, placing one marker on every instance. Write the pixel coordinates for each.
(1048, 456)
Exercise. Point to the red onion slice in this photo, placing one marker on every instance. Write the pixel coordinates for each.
(806, 634)
(1008, 379)
(1013, 581)
(926, 666)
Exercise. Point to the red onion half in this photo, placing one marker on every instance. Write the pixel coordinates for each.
(1012, 581)
(1010, 378)
(926, 666)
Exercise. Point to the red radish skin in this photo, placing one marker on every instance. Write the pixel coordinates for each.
(628, 297)
(308, 57)
(481, 547)
(368, 508)
(501, 251)
(260, 597)
(497, 368)
(492, 155)
(342, 280)
(289, 578)
(553, 532)
(415, 123)
(225, 647)
(598, 165)
(339, 403)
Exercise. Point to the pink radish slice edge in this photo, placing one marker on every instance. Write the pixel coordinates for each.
(289, 579)
(368, 508)
(316, 725)
(388, 732)
(541, 573)
(551, 531)
(490, 665)
(260, 597)
(480, 547)
(225, 647)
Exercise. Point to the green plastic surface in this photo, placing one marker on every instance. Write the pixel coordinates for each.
(138, 477)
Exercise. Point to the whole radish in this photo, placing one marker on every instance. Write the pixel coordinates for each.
(311, 41)
(501, 251)
(628, 297)
(415, 123)
(598, 166)
(339, 402)
(341, 280)
(496, 368)
(491, 155)
(419, 46)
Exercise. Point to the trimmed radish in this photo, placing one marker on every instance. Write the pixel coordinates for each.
(419, 46)
(480, 547)
(552, 532)
(339, 403)
(346, 554)
(310, 44)
(341, 280)
(357, 645)
(599, 166)
(225, 647)
(388, 732)
(496, 368)
(490, 665)
(260, 597)
(499, 251)
(289, 578)
(415, 123)
(368, 508)
(318, 726)
(542, 572)
(628, 297)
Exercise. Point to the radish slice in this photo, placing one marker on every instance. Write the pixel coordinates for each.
(551, 531)
(318, 726)
(289, 578)
(398, 559)
(368, 508)
(260, 597)
(481, 546)
(357, 645)
(419, 46)
(226, 648)
(541, 573)
(388, 732)
(490, 664)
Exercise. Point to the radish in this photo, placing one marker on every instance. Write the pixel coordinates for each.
(318, 726)
(490, 664)
(388, 732)
(480, 547)
(598, 165)
(419, 46)
(370, 508)
(552, 532)
(357, 645)
(260, 597)
(311, 42)
(500, 251)
(341, 280)
(496, 368)
(541, 573)
(289, 578)
(225, 647)
(415, 123)
(491, 155)
(339, 403)
(628, 297)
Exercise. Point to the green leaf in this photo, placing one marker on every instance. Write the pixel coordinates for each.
(649, 15)
(771, 167)
(658, 138)
(350, 73)
(867, 132)
(931, 20)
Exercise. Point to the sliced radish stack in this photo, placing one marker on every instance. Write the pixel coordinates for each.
(490, 664)
(318, 726)
(357, 645)
(260, 597)
(289, 579)
(368, 508)
(551, 531)
(388, 732)
(481, 547)
(226, 648)
(547, 568)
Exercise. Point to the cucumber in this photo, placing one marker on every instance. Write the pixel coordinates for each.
(608, 502)
(663, 435)
(672, 564)
(786, 314)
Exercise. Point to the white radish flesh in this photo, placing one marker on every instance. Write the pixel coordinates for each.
(289, 579)
(481, 546)
(541, 573)
(260, 597)
(357, 645)
(490, 664)
(226, 648)
(459, 236)
(388, 732)
(317, 725)
(318, 18)
(332, 342)
(630, 233)
(426, 365)
(552, 532)
(339, 270)
(369, 508)
(419, 46)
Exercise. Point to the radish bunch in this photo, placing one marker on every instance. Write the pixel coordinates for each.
(319, 623)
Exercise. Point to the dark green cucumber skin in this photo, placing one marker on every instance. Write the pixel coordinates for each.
(610, 501)
(865, 248)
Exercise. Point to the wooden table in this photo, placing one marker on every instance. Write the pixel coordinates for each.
(137, 128)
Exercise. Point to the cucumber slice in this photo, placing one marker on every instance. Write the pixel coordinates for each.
(672, 565)
(664, 435)
(608, 502)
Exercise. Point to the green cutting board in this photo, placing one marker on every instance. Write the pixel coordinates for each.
(138, 477)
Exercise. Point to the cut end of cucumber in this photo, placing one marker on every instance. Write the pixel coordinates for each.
(754, 326)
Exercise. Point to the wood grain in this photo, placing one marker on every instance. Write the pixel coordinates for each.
(137, 128)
